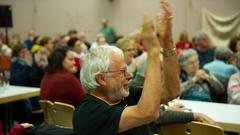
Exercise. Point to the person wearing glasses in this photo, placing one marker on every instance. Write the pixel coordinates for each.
(129, 48)
(197, 84)
(108, 107)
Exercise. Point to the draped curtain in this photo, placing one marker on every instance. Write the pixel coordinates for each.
(220, 29)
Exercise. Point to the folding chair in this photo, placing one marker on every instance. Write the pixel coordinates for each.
(63, 114)
(48, 111)
(191, 128)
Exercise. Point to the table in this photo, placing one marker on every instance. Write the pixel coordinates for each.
(13, 93)
(226, 115)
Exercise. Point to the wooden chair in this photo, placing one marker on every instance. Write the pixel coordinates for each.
(191, 128)
(48, 111)
(63, 114)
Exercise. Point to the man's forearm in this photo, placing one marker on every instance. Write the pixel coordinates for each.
(171, 77)
(150, 99)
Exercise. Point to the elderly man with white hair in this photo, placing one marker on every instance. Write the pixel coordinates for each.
(203, 47)
(108, 107)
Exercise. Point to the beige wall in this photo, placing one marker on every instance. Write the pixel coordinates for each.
(47, 17)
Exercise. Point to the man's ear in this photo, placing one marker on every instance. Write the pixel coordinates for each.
(101, 79)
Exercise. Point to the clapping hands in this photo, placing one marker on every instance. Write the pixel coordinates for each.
(163, 29)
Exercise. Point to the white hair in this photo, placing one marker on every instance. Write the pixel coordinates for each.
(95, 62)
(200, 34)
(185, 55)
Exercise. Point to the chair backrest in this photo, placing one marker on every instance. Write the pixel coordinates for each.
(48, 111)
(63, 114)
(191, 128)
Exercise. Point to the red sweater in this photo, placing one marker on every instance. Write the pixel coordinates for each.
(183, 45)
(15, 130)
(63, 87)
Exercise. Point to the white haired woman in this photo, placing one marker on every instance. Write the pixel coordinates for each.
(197, 84)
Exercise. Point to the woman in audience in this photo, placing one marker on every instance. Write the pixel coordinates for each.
(169, 114)
(183, 42)
(59, 82)
(234, 44)
(20, 74)
(197, 84)
(128, 46)
(234, 84)
(36, 43)
(77, 47)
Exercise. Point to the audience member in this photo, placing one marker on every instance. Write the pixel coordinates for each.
(77, 47)
(202, 46)
(4, 49)
(72, 33)
(128, 46)
(17, 129)
(222, 68)
(57, 40)
(21, 66)
(29, 41)
(197, 84)
(183, 42)
(234, 85)
(100, 41)
(63, 42)
(234, 44)
(136, 35)
(46, 42)
(108, 31)
(169, 115)
(105, 77)
(20, 74)
(82, 37)
(36, 43)
(59, 82)
(15, 40)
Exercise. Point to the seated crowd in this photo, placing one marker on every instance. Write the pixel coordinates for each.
(121, 87)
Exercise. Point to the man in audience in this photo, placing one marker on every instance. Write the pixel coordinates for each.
(108, 31)
(204, 50)
(29, 41)
(82, 37)
(222, 68)
(104, 76)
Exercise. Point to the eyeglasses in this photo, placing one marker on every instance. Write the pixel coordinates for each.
(195, 62)
(122, 71)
